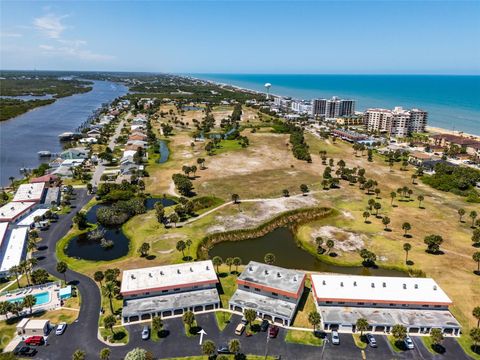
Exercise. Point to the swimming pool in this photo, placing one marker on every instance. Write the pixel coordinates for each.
(42, 298)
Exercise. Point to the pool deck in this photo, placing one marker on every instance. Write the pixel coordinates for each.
(52, 288)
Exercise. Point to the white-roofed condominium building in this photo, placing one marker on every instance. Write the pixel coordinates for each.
(273, 292)
(419, 304)
(169, 290)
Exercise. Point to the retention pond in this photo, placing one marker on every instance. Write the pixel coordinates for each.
(282, 244)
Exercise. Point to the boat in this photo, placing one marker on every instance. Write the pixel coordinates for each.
(69, 136)
(44, 153)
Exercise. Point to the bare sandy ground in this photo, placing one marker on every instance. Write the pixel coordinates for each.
(344, 240)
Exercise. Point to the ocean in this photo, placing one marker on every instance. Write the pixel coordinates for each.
(453, 102)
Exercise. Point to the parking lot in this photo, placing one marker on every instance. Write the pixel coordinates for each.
(176, 344)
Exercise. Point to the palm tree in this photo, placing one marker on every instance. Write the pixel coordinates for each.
(29, 301)
(330, 244)
(237, 262)
(157, 324)
(314, 319)
(366, 215)
(407, 247)
(181, 246)
(5, 307)
(188, 318)
(476, 314)
(377, 206)
(16, 308)
(461, 212)
(98, 276)
(78, 355)
(269, 258)
(476, 258)
(362, 325)
(235, 198)
(304, 189)
(16, 270)
(104, 354)
(208, 348)
(406, 227)
(475, 336)
(473, 215)
(174, 219)
(229, 263)
(234, 346)
(24, 268)
(188, 243)
(420, 199)
(250, 315)
(109, 322)
(399, 332)
(110, 290)
(62, 268)
(217, 261)
(386, 221)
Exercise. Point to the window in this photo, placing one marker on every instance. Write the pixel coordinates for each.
(177, 289)
(257, 289)
(360, 303)
(274, 294)
(341, 302)
(246, 287)
(164, 291)
(328, 302)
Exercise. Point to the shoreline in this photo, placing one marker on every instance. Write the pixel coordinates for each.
(430, 129)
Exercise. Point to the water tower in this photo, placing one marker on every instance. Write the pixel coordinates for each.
(268, 86)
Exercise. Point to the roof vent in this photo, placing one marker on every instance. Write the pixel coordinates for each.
(324, 282)
(341, 283)
(208, 268)
(250, 268)
(150, 275)
(161, 272)
(354, 283)
(191, 269)
(178, 271)
(404, 286)
(373, 285)
(266, 272)
(416, 286)
(384, 284)
(133, 276)
(434, 287)
(295, 278)
(279, 275)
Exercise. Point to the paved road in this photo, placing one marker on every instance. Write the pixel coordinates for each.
(83, 333)
(100, 168)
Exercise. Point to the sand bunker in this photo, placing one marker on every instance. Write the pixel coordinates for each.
(344, 240)
(261, 212)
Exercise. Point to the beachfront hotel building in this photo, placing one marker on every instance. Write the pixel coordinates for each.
(397, 122)
(333, 108)
(417, 303)
(169, 290)
(273, 292)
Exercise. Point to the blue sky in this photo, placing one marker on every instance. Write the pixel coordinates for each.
(243, 37)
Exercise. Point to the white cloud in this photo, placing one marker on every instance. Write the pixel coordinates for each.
(10, 35)
(50, 25)
(74, 49)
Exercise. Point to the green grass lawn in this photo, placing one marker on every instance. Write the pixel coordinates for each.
(119, 337)
(303, 337)
(397, 345)
(223, 319)
(360, 342)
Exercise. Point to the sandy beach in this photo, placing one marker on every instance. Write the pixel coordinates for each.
(437, 130)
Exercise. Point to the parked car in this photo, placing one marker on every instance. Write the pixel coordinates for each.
(371, 340)
(35, 340)
(264, 325)
(409, 343)
(240, 329)
(273, 331)
(145, 332)
(244, 320)
(223, 349)
(24, 351)
(61, 328)
(335, 338)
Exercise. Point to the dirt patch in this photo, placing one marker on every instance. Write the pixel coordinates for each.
(344, 240)
(261, 212)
